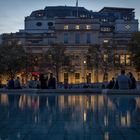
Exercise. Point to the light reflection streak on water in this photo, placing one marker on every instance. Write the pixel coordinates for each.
(78, 113)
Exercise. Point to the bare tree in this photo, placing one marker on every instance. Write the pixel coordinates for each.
(55, 58)
(101, 58)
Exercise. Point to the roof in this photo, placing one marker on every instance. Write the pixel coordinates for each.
(60, 11)
(116, 9)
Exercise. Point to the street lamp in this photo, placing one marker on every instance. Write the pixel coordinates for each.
(84, 67)
(85, 62)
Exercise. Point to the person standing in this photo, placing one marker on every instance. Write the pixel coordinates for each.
(111, 83)
(133, 81)
(43, 81)
(11, 84)
(52, 82)
(123, 81)
(17, 84)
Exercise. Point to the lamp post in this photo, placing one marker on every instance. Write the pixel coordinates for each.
(84, 67)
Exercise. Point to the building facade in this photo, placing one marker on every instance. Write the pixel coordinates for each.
(78, 28)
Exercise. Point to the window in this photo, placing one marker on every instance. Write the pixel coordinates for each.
(106, 41)
(122, 59)
(127, 27)
(66, 39)
(88, 27)
(105, 29)
(88, 39)
(66, 27)
(104, 20)
(39, 15)
(117, 59)
(39, 23)
(77, 38)
(77, 76)
(50, 41)
(105, 58)
(126, 17)
(105, 77)
(77, 27)
(128, 62)
(66, 77)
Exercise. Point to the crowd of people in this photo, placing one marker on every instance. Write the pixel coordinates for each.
(43, 82)
(123, 81)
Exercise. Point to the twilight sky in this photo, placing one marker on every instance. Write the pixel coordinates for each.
(12, 12)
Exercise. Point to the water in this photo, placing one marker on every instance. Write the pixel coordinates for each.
(48, 117)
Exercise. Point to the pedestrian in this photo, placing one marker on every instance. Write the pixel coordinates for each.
(31, 83)
(52, 82)
(10, 84)
(111, 83)
(133, 81)
(43, 81)
(36, 83)
(123, 81)
(17, 84)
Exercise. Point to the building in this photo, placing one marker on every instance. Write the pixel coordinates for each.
(78, 28)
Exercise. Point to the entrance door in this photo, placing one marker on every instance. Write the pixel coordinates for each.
(88, 78)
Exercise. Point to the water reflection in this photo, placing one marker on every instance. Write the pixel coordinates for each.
(86, 117)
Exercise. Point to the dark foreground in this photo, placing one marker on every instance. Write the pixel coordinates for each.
(69, 117)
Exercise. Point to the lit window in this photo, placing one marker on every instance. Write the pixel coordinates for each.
(88, 27)
(66, 27)
(106, 41)
(106, 77)
(77, 27)
(77, 75)
(117, 59)
(66, 77)
(39, 14)
(127, 59)
(122, 59)
(105, 57)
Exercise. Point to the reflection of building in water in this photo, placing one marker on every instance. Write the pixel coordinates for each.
(76, 113)
(4, 99)
(138, 102)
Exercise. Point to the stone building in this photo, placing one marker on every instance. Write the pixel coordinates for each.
(78, 28)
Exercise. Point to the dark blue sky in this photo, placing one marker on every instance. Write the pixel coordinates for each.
(12, 12)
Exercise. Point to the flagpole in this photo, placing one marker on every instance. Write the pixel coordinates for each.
(77, 7)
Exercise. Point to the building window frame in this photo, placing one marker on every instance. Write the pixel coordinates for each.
(88, 38)
(77, 38)
(88, 27)
(66, 27)
(66, 38)
(77, 27)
